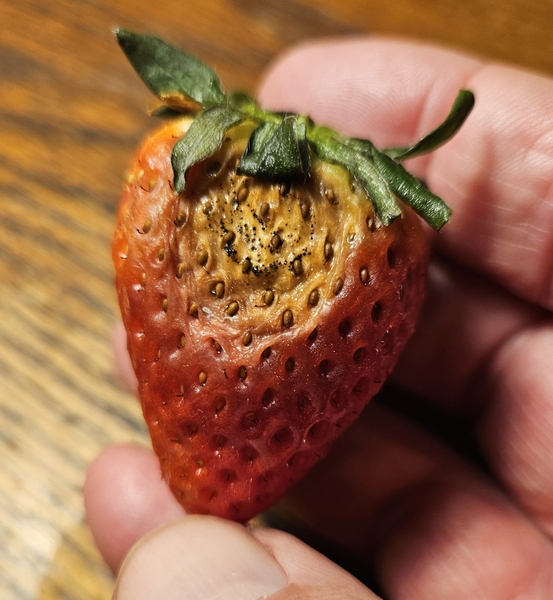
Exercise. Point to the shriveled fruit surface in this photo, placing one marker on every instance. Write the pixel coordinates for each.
(262, 312)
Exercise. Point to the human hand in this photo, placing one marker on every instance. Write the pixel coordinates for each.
(428, 522)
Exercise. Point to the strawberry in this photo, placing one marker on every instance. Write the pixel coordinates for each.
(269, 273)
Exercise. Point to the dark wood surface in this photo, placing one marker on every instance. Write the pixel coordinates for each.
(71, 112)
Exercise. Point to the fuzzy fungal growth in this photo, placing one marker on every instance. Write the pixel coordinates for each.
(269, 273)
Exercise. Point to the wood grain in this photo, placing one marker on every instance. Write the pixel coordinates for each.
(71, 113)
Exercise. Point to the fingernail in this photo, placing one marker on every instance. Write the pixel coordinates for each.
(199, 558)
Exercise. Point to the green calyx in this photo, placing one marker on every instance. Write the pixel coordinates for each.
(282, 145)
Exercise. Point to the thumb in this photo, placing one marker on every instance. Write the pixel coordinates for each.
(206, 558)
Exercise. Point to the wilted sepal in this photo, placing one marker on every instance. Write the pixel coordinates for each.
(330, 146)
(460, 110)
(277, 149)
(405, 186)
(202, 140)
(178, 79)
(413, 192)
(248, 105)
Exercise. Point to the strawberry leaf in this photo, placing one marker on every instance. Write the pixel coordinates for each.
(459, 112)
(277, 150)
(202, 140)
(169, 72)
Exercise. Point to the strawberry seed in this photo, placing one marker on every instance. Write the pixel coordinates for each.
(219, 442)
(220, 405)
(287, 318)
(331, 196)
(219, 289)
(243, 194)
(228, 238)
(305, 209)
(202, 257)
(180, 219)
(246, 266)
(268, 297)
(248, 454)
(283, 438)
(297, 267)
(232, 308)
(314, 297)
(328, 251)
(264, 210)
(276, 242)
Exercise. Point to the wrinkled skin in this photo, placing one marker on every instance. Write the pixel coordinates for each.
(429, 522)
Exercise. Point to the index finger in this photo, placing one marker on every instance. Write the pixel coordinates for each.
(495, 174)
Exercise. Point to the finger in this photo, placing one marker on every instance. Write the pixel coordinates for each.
(495, 173)
(459, 540)
(476, 318)
(207, 558)
(516, 429)
(434, 526)
(123, 364)
(125, 498)
(495, 368)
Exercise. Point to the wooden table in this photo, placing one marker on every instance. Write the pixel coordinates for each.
(71, 112)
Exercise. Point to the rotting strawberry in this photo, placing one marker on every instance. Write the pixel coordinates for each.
(269, 273)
